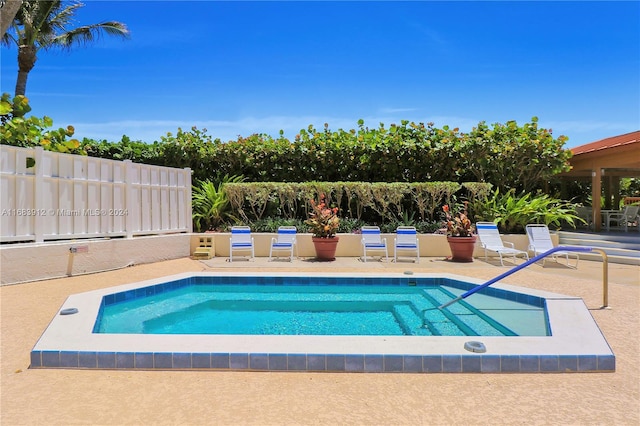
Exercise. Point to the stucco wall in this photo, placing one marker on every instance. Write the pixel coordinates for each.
(37, 261)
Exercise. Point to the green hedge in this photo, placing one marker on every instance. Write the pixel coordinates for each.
(377, 202)
(507, 155)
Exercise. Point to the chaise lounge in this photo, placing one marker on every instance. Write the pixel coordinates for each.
(490, 240)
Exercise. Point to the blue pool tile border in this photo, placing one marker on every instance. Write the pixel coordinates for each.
(220, 361)
(373, 363)
(297, 362)
(316, 362)
(352, 363)
(128, 295)
(259, 361)
(335, 363)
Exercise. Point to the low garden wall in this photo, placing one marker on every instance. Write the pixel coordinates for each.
(431, 245)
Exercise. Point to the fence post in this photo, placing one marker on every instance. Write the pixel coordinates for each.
(187, 196)
(39, 220)
(128, 197)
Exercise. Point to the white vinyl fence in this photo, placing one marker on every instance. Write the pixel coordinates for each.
(52, 196)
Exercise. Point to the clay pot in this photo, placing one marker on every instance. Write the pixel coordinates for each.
(325, 248)
(462, 248)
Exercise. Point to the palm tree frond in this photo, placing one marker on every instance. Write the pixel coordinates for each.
(89, 33)
(64, 16)
(8, 39)
(35, 20)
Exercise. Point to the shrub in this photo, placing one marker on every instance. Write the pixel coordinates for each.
(18, 130)
(210, 204)
(512, 213)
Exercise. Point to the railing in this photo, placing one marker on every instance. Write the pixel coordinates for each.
(48, 195)
(630, 200)
(605, 275)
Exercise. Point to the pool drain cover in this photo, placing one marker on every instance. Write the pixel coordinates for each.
(473, 346)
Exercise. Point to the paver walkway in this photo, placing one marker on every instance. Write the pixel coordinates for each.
(51, 397)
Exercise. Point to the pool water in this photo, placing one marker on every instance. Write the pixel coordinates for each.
(297, 307)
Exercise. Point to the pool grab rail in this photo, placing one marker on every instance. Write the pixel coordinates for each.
(605, 283)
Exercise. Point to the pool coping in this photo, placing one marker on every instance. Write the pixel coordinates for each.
(576, 343)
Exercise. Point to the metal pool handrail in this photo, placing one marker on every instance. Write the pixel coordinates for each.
(605, 279)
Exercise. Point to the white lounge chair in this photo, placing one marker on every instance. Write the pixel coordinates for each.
(285, 242)
(625, 219)
(540, 242)
(406, 240)
(240, 241)
(490, 240)
(372, 241)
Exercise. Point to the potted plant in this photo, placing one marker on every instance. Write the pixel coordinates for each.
(323, 223)
(459, 231)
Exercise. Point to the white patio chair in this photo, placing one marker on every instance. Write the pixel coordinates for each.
(490, 240)
(540, 242)
(372, 241)
(585, 213)
(240, 241)
(406, 240)
(625, 219)
(284, 242)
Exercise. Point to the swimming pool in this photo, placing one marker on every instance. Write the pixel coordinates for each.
(308, 306)
(571, 340)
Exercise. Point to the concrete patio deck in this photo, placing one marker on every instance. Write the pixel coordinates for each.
(34, 397)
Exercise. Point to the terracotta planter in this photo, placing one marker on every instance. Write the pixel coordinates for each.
(462, 248)
(325, 248)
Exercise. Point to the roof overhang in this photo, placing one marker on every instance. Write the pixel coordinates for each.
(617, 156)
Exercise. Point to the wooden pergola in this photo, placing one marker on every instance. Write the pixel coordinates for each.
(606, 161)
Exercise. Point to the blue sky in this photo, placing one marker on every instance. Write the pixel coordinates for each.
(237, 68)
